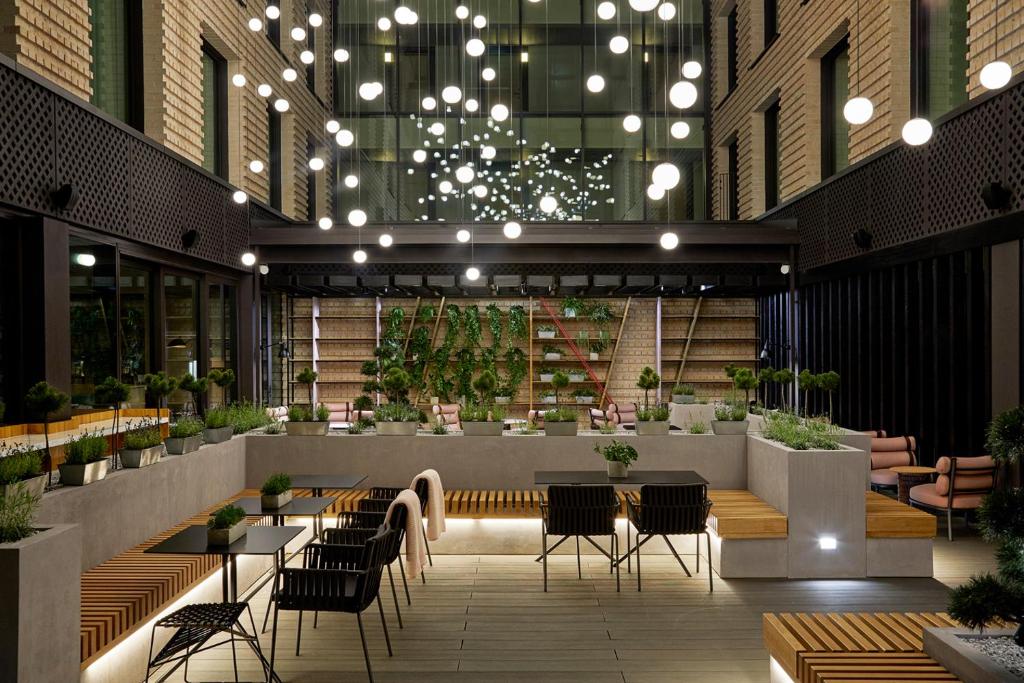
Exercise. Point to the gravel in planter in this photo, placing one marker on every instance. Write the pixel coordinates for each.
(1001, 649)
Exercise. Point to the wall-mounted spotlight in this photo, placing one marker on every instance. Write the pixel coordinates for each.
(862, 238)
(996, 196)
(283, 352)
(827, 542)
(189, 239)
(65, 197)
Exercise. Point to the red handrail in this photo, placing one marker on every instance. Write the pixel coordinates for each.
(575, 350)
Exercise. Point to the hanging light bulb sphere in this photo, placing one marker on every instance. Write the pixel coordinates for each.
(666, 11)
(665, 175)
(643, 5)
(471, 105)
(238, 80)
(255, 24)
(465, 174)
(289, 74)
(679, 130)
(479, 21)
(298, 33)
(264, 269)
(488, 74)
(344, 137)
(451, 94)
(325, 223)
(548, 204)
(595, 83)
(264, 90)
(256, 166)
(384, 24)
(385, 240)
(315, 20)
(273, 12)
(606, 10)
(462, 12)
(499, 112)
(512, 230)
(655, 193)
(402, 14)
(784, 269)
(618, 44)
(858, 110)
(341, 55)
(668, 240)
(445, 186)
(359, 256)
(357, 218)
(307, 57)
(631, 123)
(239, 197)
(692, 69)
(419, 156)
(332, 126)
(370, 91)
(682, 94)
(429, 103)
(463, 235)
(472, 273)
(248, 259)
(316, 164)
(488, 152)
(995, 75)
(480, 191)
(351, 181)
(917, 131)
(475, 47)
(436, 128)
(281, 105)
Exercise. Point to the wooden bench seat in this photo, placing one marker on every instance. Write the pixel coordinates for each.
(888, 518)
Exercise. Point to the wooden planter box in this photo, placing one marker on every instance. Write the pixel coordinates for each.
(35, 486)
(560, 428)
(183, 445)
(652, 428)
(218, 435)
(278, 501)
(482, 428)
(226, 536)
(397, 428)
(307, 428)
(134, 459)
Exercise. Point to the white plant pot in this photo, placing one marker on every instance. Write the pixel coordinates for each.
(547, 377)
(82, 475)
(577, 378)
(569, 313)
(218, 435)
(35, 486)
(594, 356)
(134, 459)
(183, 445)
(727, 427)
(220, 537)
(652, 428)
(307, 428)
(684, 399)
(545, 334)
(482, 428)
(552, 356)
(502, 400)
(559, 428)
(617, 470)
(278, 501)
(550, 400)
(397, 428)
(584, 400)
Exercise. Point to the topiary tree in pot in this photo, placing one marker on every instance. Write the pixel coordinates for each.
(395, 383)
(745, 379)
(559, 380)
(485, 385)
(784, 377)
(765, 377)
(648, 380)
(42, 401)
(308, 377)
(113, 393)
(807, 382)
(828, 381)
(223, 378)
(159, 386)
(989, 597)
(196, 387)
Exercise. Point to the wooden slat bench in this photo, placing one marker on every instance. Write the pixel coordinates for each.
(888, 518)
(884, 646)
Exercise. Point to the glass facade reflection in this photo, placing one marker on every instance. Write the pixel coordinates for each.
(559, 138)
(93, 323)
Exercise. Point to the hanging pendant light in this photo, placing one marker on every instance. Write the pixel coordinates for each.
(595, 83)
(512, 230)
(631, 123)
(917, 131)
(618, 44)
(683, 94)
(859, 109)
(359, 256)
(668, 240)
(357, 218)
(665, 175)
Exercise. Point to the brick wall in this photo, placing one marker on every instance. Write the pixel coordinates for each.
(51, 37)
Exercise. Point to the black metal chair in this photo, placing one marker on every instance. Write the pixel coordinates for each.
(669, 510)
(381, 497)
(580, 511)
(335, 578)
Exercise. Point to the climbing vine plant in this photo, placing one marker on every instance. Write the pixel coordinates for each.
(494, 324)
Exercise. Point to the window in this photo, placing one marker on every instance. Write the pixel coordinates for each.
(181, 331)
(938, 56)
(771, 156)
(215, 114)
(93, 290)
(116, 36)
(835, 91)
(734, 181)
(771, 21)
(136, 296)
(274, 172)
(221, 323)
(731, 39)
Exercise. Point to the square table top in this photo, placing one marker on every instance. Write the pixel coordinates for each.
(327, 481)
(296, 507)
(258, 540)
(634, 478)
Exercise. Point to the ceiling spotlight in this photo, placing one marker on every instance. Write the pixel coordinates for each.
(679, 130)
(344, 137)
(665, 175)
(273, 12)
(683, 94)
(332, 126)
(643, 5)
(419, 156)
(264, 269)
(298, 33)
(471, 105)
(341, 55)
(316, 164)
(858, 110)
(289, 74)
(357, 218)
(488, 74)
(669, 240)
(462, 12)
(995, 75)
(238, 80)
(479, 21)
(475, 47)
(264, 90)
(655, 193)
(631, 123)
(472, 273)
(691, 69)
(248, 259)
(255, 24)
(325, 223)
(784, 269)
(606, 10)
(256, 166)
(451, 94)
(595, 83)
(917, 131)
(384, 24)
(463, 235)
(465, 174)
(548, 204)
(307, 57)
(385, 240)
(618, 44)
(499, 112)
(351, 181)
(512, 230)
(315, 20)
(239, 197)
(281, 105)
(666, 11)
(359, 256)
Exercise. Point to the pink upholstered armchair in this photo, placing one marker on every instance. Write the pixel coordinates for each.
(961, 485)
(897, 451)
(622, 415)
(345, 412)
(598, 418)
(536, 417)
(449, 413)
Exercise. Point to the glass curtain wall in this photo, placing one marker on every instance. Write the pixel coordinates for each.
(181, 331)
(555, 136)
(939, 56)
(93, 324)
(136, 326)
(221, 331)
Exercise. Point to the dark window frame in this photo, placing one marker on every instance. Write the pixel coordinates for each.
(275, 168)
(771, 156)
(829, 107)
(733, 152)
(220, 106)
(771, 21)
(920, 48)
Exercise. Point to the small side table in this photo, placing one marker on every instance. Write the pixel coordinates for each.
(909, 476)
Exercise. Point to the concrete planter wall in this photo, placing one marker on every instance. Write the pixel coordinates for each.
(306, 428)
(134, 459)
(483, 428)
(35, 486)
(181, 446)
(277, 501)
(82, 475)
(226, 536)
(729, 427)
(40, 590)
(652, 428)
(560, 428)
(218, 435)
(397, 428)
(945, 645)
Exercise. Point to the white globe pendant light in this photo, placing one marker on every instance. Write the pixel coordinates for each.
(479, 21)
(316, 164)
(316, 20)
(385, 240)
(436, 128)
(248, 259)
(668, 240)
(357, 218)
(464, 174)
(273, 12)
(995, 75)
(255, 24)
(239, 197)
(281, 105)
(344, 137)
(606, 10)
(256, 166)
(499, 112)
(512, 230)
(692, 69)
(451, 94)
(475, 47)
(666, 11)
(419, 156)
(917, 131)
(298, 33)
(488, 74)
(264, 90)
(472, 273)
(480, 191)
(618, 44)
(595, 83)
(858, 110)
(679, 130)
(289, 74)
(683, 94)
(238, 80)
(351, 181)
(325, 223)
(445, 186)
(463, 235)
(462, 12)
(370, 91)
(384, 24)
(488, 152)
(665, 175)
(471, 105)
(655, 193)
(548, 204)
(307, 57)
(264, 269)
(643, 5)
(429, 103)
(341, 55)
(332, 126)
(631, 123)
(359, 256)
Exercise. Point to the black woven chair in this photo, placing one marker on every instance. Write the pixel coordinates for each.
(335, 578)
(580, 511)
(669, 510)
(381, 497)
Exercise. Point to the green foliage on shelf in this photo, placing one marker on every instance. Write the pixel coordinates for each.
(186, 427)
(19, 463)
(16, 515)
(494, 324)
(226, 517)
(618, 451)
(146, 435)
(394, 330)
(601, 342)
(573, 305)
(583, 392)
(427, 313)
(84, 449)
(465, 364)
(600, 312)
(648, 380)
(545, 328)
(551, 348)
(516, 368)
(517, 324)
(684, 390)
(276, 484)
(800, 434)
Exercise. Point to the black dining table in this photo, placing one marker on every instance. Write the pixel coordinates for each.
(317, 483)
(633, 478)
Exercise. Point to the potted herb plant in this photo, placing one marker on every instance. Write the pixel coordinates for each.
(744, 379)
(652, 421)
(21, 470)
(619, 456)
(552, 352)
(218, 425)
(600, 312)
(698, 428)
(560, 422)
(159, 386)
(547, 374)
(396, 419)
(276, 491)
(599, 344)
(143, 446)
(549, 396)
(186, 436)
(545, 331)
(85, 460)
(730, 418)
(573, 306)
(482, 420)
(196, 387)
(584, 395)
(226, 526)
(223, 378)
(43, 401)
(578, 375)
(684, 394)
(305, 422)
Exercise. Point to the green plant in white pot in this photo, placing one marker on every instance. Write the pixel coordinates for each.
(652, 421)
(546, 331)
(730, 418)
(276, 491)
(619, 456)
(142, 446)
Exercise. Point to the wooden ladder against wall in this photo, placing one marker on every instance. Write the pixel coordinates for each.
(615, 352)
(689, 339)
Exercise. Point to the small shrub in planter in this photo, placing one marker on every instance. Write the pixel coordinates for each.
(307, 377)
(17, 511)
(276, 491)
(619, 456)
(548, 397)
(504, 395)
(649, 381)
(41, 402)
(608, 428)
(185, 436)
(218, 425)
(113, 393)
(552, 352)
(584, 395)
(363, 402)
(273, 428)
(142, 446)
(482, 420)
(439, 428)
(698, 428)
(485, 385)
(397, 419)
(546, 331)
(245, 417)
(573, 306)
(547, 374)
(684, 393)
(560, 422)
(226, 526)
(302, 421)
(21, 469)
(196, 387)
(599, 344)
(730, 418)
(652, 421)
(800, 434)
(577, 376)
(359, 426)
(223, 378)
(85, 460)
(159, 386)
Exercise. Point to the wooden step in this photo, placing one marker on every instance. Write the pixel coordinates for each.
(888, 518)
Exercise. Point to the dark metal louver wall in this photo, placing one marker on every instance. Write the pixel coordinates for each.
(911, 343)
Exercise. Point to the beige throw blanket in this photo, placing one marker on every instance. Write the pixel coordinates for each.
(415, 551)
(435, 503)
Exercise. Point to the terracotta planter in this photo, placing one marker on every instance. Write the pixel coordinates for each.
(560, 429)
(684, 399)
(134, 459)
(652, 428)
(35, 486)
(728, 427)
(218, 435)
(226, 536)
(183, 445)
(397, 428)
(617, 470)
(81, 475)
(307, 428)
(482, 428)
(278, 501)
